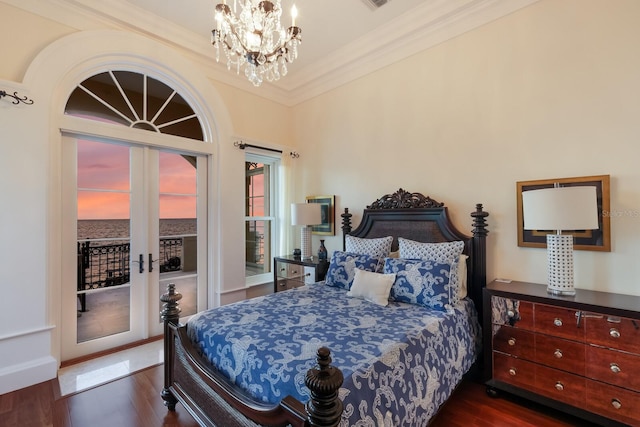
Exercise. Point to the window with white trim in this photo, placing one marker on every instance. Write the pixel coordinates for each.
(260, 217)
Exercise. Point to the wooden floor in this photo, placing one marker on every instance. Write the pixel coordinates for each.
(134, 401)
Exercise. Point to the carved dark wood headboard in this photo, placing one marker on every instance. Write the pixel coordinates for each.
(417, 217)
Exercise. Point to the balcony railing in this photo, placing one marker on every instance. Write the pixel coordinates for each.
(103, 265)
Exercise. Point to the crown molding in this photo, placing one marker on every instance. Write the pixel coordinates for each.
(419, 29)
(422, 28)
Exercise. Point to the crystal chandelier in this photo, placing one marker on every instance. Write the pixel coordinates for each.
(255, 39)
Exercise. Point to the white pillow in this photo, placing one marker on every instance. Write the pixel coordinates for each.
(373, 287)
(379, 247)
(462, 275)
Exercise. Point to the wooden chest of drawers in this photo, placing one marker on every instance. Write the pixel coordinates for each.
(580, 354)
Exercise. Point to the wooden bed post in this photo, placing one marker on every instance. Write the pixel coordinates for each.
(325, 407)
(170, 314)
(479, 255)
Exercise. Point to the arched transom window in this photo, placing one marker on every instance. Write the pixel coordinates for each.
(137, 101)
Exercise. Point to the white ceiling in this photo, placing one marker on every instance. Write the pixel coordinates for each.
(341, 39)
(326, 24)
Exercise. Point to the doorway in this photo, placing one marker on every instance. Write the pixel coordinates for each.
(138, 222)
(134, 209)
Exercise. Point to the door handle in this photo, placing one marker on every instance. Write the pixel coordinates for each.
(140, 263)
(151, 261)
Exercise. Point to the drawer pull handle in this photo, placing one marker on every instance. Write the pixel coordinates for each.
(559, 386)
(614, 333)
(579, 316)
(512, 372)
(557, 322)
(615, 368)
(512, 342)
(591, 315)
(558, 353)
(616, 403)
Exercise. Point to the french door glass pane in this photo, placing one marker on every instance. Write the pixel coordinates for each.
(178, 227)
(103, 166)
(103, 267)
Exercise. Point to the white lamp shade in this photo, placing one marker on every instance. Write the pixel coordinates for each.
(305, 214)
(563, 208)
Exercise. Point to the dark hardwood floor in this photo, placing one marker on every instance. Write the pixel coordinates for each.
(134, 401)
(470, 406)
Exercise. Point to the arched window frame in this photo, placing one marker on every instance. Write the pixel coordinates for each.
(136, 100)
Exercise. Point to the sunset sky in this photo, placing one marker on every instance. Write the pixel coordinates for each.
(103, 176)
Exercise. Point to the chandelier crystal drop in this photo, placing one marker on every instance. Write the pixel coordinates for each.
(255, 39)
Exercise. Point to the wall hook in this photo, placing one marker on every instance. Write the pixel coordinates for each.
(16, 99)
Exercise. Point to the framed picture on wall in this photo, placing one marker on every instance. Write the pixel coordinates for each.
(586, 240)
(327, 212)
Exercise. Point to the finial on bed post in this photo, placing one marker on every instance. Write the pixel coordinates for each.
(479, 223)
(346, 227)
(170, 314)
(325, 407)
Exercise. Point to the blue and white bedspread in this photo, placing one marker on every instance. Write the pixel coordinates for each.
(400, 362)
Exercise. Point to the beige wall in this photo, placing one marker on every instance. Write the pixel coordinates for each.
(550, 91)
(20, 44)
(255, 118)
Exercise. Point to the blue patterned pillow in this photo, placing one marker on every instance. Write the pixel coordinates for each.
(445, 252)
(421, 282)
(379, 247)
(342, 268)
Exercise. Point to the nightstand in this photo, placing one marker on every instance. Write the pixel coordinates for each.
(579, 354)
(292, 271)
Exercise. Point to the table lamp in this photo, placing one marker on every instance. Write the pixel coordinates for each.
(560, 208)
(306, 215)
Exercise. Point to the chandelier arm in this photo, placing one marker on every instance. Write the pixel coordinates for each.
(235, 34)
(226, 44)
(266, 55)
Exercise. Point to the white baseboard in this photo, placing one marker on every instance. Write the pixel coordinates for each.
(26, 359)
(28, 373)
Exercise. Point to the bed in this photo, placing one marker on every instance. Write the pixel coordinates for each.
(367, 358)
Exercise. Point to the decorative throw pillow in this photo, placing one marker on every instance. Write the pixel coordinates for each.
(422, 282)
(379, 247)
(373, 287)
(342, 268)
(446, 252)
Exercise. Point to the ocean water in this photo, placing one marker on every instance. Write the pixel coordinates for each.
(89, 229)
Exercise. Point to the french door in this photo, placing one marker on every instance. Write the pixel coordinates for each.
(134, 221)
